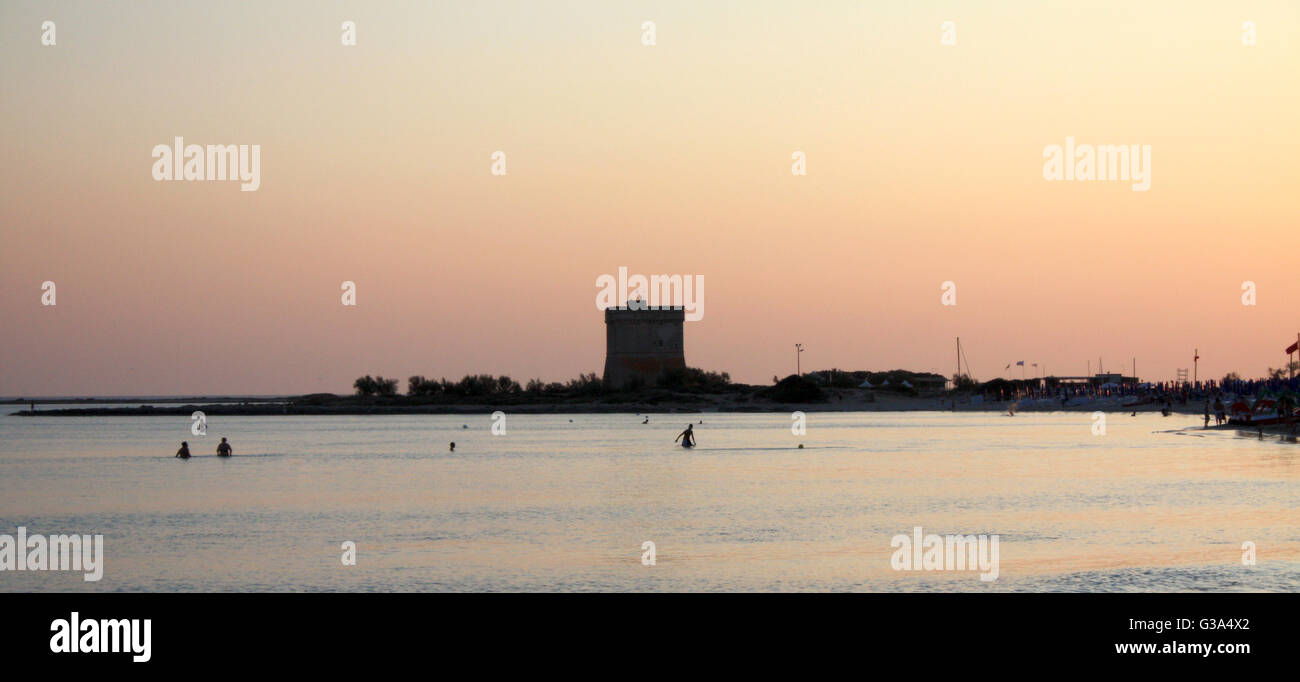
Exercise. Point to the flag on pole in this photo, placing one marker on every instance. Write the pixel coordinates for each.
(1020, 364)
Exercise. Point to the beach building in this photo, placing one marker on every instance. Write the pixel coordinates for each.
(930, 383)
(641, 344)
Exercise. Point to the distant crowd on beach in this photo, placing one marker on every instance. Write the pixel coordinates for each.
(1163, 391)
(1261, 402)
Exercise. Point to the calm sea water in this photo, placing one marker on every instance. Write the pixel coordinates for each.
(558, 505)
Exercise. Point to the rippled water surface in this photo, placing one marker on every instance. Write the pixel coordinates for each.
(1156, 504)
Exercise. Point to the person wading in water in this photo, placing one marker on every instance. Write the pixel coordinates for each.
(689, 434)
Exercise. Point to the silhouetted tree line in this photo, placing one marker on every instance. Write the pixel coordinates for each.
(695, 380)
(794, 389)
(470, 386)
(840, 378)
(686, 379)
(368, 385)
(1284, 372)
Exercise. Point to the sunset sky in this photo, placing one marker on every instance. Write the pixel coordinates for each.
(924, 165)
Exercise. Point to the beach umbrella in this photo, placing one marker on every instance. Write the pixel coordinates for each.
(866, 384)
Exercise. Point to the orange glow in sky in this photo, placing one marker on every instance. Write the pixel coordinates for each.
(924, 165)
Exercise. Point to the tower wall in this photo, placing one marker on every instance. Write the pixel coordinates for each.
(641, 344)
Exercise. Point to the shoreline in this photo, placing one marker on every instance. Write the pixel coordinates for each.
(145, 399)
(679, 404)
(692, 405)
(1281, 432)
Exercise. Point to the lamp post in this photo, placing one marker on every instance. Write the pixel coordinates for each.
(798, 349)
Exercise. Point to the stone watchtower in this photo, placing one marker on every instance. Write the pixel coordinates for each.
(641, 344)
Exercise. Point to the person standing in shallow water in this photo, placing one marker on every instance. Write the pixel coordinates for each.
(184, 452)
(453, 446)
(223, 448)
(689, 435)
